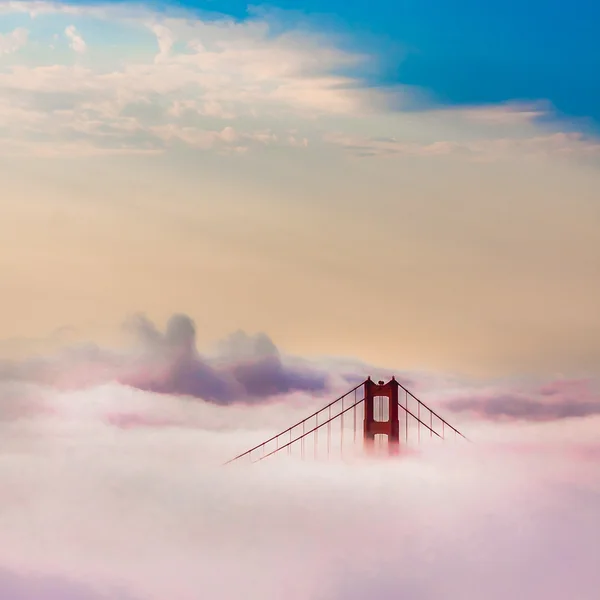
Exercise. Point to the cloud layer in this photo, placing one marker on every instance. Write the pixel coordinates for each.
(196, 79)
(247, 367)
(111, 488)
(216, 84)
(250, 369)
(554, 144)
(554, 401)
(142, 515)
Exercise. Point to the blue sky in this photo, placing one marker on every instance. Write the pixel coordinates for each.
(470, 51)
(467, 52)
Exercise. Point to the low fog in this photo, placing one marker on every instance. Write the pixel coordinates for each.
(114, 491)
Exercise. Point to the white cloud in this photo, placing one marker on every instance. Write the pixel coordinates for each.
(240, 64)
(145, 513)
(77, 43)
(504, 114)
(165, 40)
(13, 41)
(237, 72)
(230, 70)
(556, 144)
(226, 139)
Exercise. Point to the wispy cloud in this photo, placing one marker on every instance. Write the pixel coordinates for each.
(13, 41)
(557, 400)
(504, 114)
(76, 42)
(556, 144)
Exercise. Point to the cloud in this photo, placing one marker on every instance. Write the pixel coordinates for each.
(204, 70)
(165, 40)
(251, 369)
(257, 366)
(13, 41)
(136, 508)
(169, 363)
(228, 139)
(77, 43)
(504, 114)
(557, 400)
(112, 491)
(562, 144)
(254, 77)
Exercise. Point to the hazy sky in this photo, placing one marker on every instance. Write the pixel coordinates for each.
(251, 173)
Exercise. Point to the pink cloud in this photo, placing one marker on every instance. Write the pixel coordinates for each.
(141, 513)
(132, 420)
(556, 400)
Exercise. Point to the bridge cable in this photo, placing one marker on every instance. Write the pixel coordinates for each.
(303, 421)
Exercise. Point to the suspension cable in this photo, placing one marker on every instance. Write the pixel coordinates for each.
(289, 429)
(309, 432)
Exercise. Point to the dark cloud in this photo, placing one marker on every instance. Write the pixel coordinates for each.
(170, 364)
(247, 368)
(267, 376)
(255, 362)
(555, 401)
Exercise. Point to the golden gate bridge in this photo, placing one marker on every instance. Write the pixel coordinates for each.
(378, 415)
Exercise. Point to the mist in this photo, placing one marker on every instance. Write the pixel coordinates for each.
(95, 505)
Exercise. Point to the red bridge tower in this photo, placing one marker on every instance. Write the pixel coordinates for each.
(381, 413)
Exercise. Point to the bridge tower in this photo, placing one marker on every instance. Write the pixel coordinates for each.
(381, 413)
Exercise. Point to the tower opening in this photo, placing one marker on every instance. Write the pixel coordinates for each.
(381, 409)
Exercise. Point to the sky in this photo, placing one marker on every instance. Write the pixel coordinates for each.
(216, 217)
(228, 164)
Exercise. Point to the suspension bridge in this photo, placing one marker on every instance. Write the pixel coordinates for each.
(375, 416)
